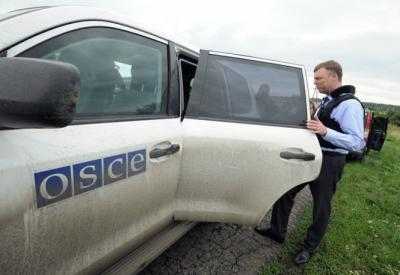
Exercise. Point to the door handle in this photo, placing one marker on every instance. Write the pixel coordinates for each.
(169, 150)
(297, 153)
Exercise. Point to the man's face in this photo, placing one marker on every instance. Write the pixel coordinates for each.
(325, 80)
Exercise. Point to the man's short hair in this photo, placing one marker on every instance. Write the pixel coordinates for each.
(331, 65)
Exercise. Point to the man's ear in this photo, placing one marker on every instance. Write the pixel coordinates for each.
(333, 75)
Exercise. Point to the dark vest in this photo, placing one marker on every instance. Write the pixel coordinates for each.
(339, 95)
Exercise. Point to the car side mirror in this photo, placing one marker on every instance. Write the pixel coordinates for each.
(37, 93)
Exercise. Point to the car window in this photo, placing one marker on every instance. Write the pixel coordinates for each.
(121, 73)
(250, 91)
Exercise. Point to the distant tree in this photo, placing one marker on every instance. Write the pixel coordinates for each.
(391, 111)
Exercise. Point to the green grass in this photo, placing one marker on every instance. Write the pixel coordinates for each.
(364, 232)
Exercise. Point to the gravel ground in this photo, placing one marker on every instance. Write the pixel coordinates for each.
(217, 248)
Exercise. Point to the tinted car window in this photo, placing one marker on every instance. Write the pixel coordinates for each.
(216, 101)
(249, 91)
(121, 73)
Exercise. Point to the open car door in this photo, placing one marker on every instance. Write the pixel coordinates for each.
(245, 141)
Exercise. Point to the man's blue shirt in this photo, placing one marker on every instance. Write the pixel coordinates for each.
(350, 116)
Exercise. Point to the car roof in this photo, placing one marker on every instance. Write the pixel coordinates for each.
(19, 25)
(18, 12)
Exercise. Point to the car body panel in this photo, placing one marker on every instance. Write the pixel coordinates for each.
(84, 227)
(233, 172)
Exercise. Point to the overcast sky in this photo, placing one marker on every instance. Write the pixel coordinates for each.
(362, 35)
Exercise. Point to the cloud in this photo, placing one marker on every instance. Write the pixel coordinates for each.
(362, 35)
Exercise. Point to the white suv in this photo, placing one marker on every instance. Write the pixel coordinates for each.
(102, 176)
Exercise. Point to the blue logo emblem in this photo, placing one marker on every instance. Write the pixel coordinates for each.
(87, 176)
(114, 168)
(136, 162)
(53, 185)
(56, 184)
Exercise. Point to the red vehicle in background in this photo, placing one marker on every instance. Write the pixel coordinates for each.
(367, 123)
(375, 129)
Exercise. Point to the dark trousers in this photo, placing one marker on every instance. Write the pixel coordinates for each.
(322, 190)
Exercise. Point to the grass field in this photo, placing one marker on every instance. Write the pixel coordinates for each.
(364, 233)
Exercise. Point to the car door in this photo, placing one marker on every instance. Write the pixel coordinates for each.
(76, 199)
(245, 139)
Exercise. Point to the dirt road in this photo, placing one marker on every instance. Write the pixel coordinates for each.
(215, 248)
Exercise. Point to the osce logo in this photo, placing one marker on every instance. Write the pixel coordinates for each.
(60, 183)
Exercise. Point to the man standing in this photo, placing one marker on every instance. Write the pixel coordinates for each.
(339, 127)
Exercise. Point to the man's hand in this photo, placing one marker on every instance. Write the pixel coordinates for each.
(317, 127)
